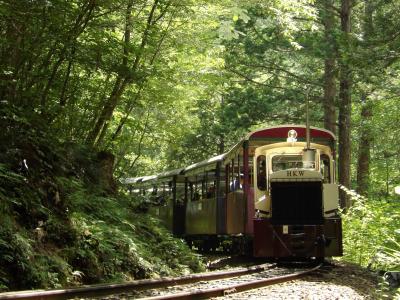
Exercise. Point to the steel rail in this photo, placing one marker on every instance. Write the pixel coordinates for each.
(109, 289)
(236, 288)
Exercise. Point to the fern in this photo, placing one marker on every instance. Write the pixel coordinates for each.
(6, 174)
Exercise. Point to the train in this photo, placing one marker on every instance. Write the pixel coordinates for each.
(272, 195)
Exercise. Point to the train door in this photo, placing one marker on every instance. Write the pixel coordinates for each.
(330, 188)
(179, 205)
(260, 173)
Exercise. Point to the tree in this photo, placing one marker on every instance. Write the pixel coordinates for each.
(130, 67)
(275, 54)
(328, 19)
(345, 81)
(366, 137)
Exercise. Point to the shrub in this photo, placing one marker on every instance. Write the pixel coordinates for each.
(371, 233)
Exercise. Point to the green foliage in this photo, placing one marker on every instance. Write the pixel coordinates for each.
(116, 243)
(370, 228)
(371, 233)
(61, 226)
(97, 238)
(17, 255)
(384, 171)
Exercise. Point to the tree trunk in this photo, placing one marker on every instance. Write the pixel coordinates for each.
(365, 141)
(80, 25)
(104, 171)
(330, 61)
(107, 110)
(128, 111)
(126, 78)
(63, 99)
(345, 104)
(364, 147)
(119, 85)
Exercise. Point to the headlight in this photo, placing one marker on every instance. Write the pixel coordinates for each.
(292, 136)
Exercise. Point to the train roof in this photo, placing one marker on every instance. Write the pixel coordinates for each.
(150, 178)
(205, 163)
(270, 135)
(131, 180)
(282, 131)
(170, 173)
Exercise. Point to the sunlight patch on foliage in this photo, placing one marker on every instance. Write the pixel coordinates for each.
(371, 233)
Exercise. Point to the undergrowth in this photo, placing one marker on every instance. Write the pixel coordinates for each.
(371, 237)
(96, 238)
(61, 227)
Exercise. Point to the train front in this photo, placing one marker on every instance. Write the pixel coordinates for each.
(296, 201)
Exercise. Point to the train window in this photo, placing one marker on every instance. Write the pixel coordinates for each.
(203, 188)
(284, 162)
(197, 187)
(261, 173)
(232, 176)
(210, 184)
(210, 191)
(194, 193)
(191, 190)
(197, 192)
(170, 189)
(236, 178)
(180, 193)
(222, 183)
(154, 192)
(325, 168)
(239, 174)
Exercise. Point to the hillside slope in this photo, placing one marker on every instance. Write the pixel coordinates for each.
(63, 221)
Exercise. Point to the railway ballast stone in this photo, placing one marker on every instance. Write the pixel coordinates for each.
(343, 281)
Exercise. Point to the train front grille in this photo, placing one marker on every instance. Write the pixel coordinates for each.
(296, 203)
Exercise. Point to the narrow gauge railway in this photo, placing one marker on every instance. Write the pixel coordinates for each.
(133, 287)
(220, 288)
(198, 286)
(274, 194)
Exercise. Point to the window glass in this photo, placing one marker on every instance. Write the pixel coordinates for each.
(195, 191)
(284, 162)
(180, 192)
(325, 168)
(210, 184)
(261, 173)
(236, 176)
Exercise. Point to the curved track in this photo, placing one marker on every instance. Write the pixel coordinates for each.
(149, 284)
(108, 289)
(234, 288)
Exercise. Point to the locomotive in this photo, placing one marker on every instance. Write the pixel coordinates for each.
(273, 194)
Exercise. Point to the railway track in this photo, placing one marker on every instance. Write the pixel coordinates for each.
(197, 286)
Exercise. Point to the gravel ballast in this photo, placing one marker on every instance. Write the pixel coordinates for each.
(342, 281)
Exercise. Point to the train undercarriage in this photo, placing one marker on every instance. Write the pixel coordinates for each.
(276, 241)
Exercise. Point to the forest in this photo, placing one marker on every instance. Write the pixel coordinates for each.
(91, 88)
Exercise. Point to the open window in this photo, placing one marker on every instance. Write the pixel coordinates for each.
(235, 179)
(210, 184)
(325, 168)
